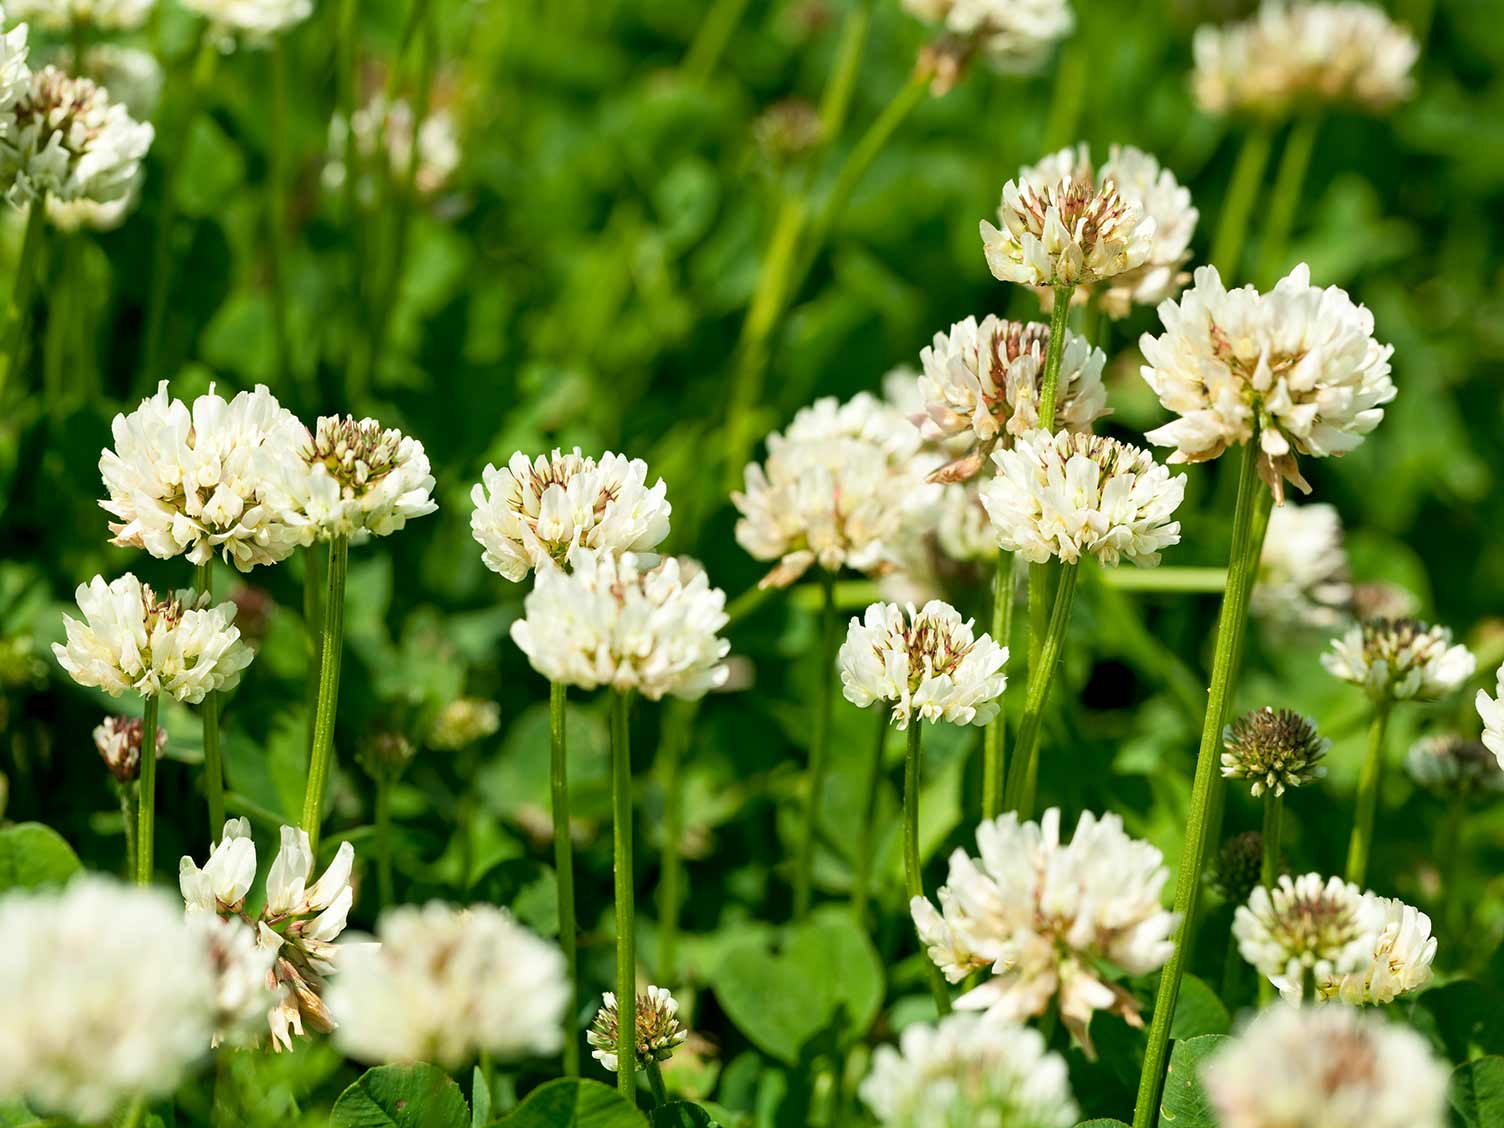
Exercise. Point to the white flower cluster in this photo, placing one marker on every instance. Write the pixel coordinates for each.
(15, 75)
(1015, 36)
(388, 126)
(1045, 915)
(1329, 1066)
(1303, 576)
(362, 478)
(1398, 961)
(446, 984)
(969, 1068)
(627, 623)
(244, 996)
(1066, 495)
(1491, 711)
(659, 1032)
(180, 646)
(257, 20)
(927, 663)
(64, 15)
(532, 513)
(1290, 54)
(1299, 363)
(1400, 660)
(1305, 926)
(107, 994)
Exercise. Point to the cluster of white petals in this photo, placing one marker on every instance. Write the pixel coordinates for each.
(1290, 54)
(532, 513)
(180, 646)
(1299, 363)
(254, 19)
(64, 15)
(1400, 660)
(1398, 963)
(1337, 1067)
(108, 994)
(835, 490)
(210, 478)
(244, 996)
(659, 1031)
(1303, 578)
(1305, 926)
(631, 624)
(445, 985)
(925, 663)
(1046, 915)
(15, 75)
(968, 1068)
(1451, 765)
(1491, 711)
(359, 478)
(1015, 36)
(1065, 496)
(388, 125)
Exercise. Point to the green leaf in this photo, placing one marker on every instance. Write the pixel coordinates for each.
(528, 888)
(33, 855)
(1185, 1104)
(682, 1114)
(401, 1096)
(1102, 1123)
(15, 1114)
(568, 1103)
(1469, 1018)
(480, 1099)
(1478, 1092)
(1198, 1011)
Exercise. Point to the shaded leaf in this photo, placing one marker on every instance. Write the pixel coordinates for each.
(1477, 1092)
(33, 855)
(568, 1103)
(1185, 1104)
(401, 1096)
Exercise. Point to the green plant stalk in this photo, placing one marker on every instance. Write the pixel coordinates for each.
(626, 960)
(1049, 386)
(655, 1081)
(1369, 781)
(679, 717)
(995, 738)
(134, 1115)
(1237, 206)
(564, 866)
(55, 343)
(321, 755)
(214, 769)
(17, 316)
(1289, 179)
(383, 818)
(818, 750)
(277, 208)
(1169, 580)
(710, 40)
(347, 29)
(913, 870)
(128, 821)
(1451, 858)
(1019, 795)
(1072, 75)
(1240, 572)
(861, 880)
(146, 793)
(835, 101)
(315, 576)
(1274, 819)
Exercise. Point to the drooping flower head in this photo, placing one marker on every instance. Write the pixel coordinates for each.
(359, 478)
(118, 740)
(256, 21)
(1400, 660)
(64, 15)
(1303, 573)
(130, 639)
(1398, 963)
(1014, 36)
(445, 985)
(1305, 926)
(1450, 765)
(1046, 915)
(633, 625)
(1299, 363)
(1273, 750)
(1063, 496)
(659, 1032)
(1491, 711)
(927, 663)
(533, 512)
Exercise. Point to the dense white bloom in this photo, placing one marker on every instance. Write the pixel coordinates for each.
(630, 624)
(1491, 711)
(221, 886)
(1306, 926)
(358, 478)
(445, 985)
(1451, 765)
(1326, 1067)
(64, 15)
(1273, 749)
(1399, 962)
(532, 513)
(1291, 54)
(659, 1032)
(107, 994)
(15, 75)
(1303, 575)
(972, 1069)
(1066, 495)
(211, 478)
(1015, 36)
(925, 662)
(1400, 659)
(379, 125)
(1299, 362)
(180, 646)
(118, 741)
(255, 19)
(1045, 915)
(244, 995)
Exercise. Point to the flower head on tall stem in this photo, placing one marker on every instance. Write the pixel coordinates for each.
(357, 478)
(1397, 963)
(1273, 749)
(659, 1032)
(1400, 660)
(1012, 36)
(1303, 579)
(1306, 927)
(1450, 765)
(118, 741)
(1491, 711)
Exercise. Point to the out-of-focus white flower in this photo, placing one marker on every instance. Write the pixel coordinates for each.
(1290, 54)
(445, 985)
(1299, 362)
(1066, 495)
(835, 489)
(1337, 1067)
(1399, 962)
(64, 15)
(1015, 36)
(1304, 927)
(925, 662)
(533, 512)
(255, 20)
(1400, 659)
(463, 722)
(1045, 915)
(108, 994)
(243, 969)
(972, 1069)
(118, 740)
(213, 478)
(1452, 765)
(15, 75)
(357, 479)
(1303, 576)
(1273, 750)
(382, 125)
(180, 646)
(659, 1032)
(132, 76)
(634, 625)
(1491, 711)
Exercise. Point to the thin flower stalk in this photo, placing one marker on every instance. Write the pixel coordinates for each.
(1023, 773)
(276, 209)
(1289, 179)
(709, 43)
(214, 772)
(621, 836)
(679, 720)
(995, 738)
(1360, 845)
(818, 748)
(1274, 807)
(861, 880)
(1237, 207)
(564, 865)
(27, 269)
(146, 793)
(331, 644)
(913, 869)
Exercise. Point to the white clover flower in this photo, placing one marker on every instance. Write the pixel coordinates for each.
(1289, 55)
(244, 997)
(835, 490)
(1273, 750)
(1491, 711)
(180, 646)
(256, 20)
(1399, 962)
(463, 722)
(1066, 495)
(1306, 927)
(1336, 1067)
(1045, 915)
(358, 478)
(221, 886)
(64, 15)
(446, 984)
(108, 994)
(118, 741)
(133, 76)
(383, 125)
(1015, 36)
(211, 478)
(659, 1032)
(633, 625)
(15, 75)
(533, 512)
(1400, 660)
(973, 1069)
(1303, 573)
(927, 663)
(1451, 765)
(1300, 362)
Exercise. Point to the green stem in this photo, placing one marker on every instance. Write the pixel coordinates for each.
(1290, 177)
(678, 720)
(1049, 388)
(214, 771)
(277, 208)
(134, 1115)
(1241, 568)
(1274, 818)
(564, 866)
(995, 739)
(1451, 858)
(1237, 205)
(384, 837)
(17, 316)
(835, 102)
(146, 801)
(1369, 782)
(861, 881)
(321, 756)
(913, 870)
(804, 861)
(345, 64)
(655, 1081)
(710, 40)
(1019, 795)
(626, 961)
(128, 820)
(1072, 75)
(315, 576)
(1169, 580)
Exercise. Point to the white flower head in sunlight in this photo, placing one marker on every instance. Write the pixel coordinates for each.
(1491, 711)
(358, 478)
(1303, 579)
(1273, 749)
(659, 1032)
(1400, 660)
(64, 15)
(15, 75)
(1014, 36)
(1399, 962)
(1306, 927)
(255, 20)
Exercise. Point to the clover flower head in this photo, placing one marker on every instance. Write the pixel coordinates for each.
(244, 995)
(1398, 964)
(358, 478)
(118, 741)
(1273, 750)
(1302, 577)
(1306, 926)
(254, 21)
(1400, 660)
(64, 15)
(386, 126)
(1014, 36)
(659, 1032)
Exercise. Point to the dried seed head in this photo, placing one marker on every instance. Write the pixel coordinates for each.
(1273, 750)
